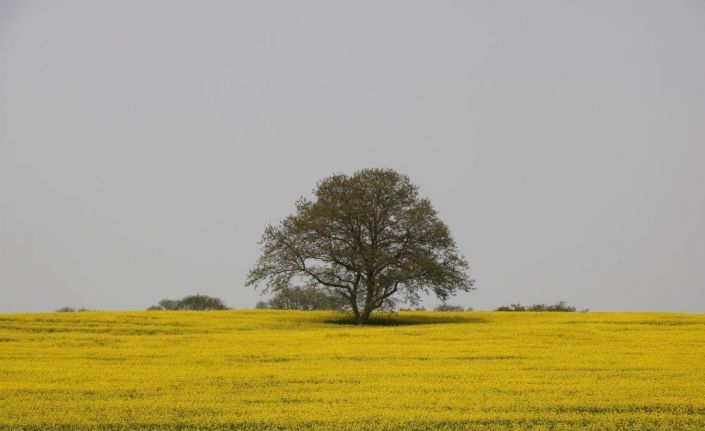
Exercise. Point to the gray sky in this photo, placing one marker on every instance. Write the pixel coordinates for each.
(144, 145)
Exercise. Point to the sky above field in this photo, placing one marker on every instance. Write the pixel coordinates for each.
(145, 145)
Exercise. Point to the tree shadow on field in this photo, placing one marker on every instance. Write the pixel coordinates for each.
(408, 320)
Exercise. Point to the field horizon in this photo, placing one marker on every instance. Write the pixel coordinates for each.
(264, 369)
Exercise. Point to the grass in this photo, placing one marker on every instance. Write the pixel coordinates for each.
(269, 370)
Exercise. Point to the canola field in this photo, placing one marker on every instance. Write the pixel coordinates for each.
(274, 370)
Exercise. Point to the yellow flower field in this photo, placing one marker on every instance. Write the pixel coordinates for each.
(247, 370)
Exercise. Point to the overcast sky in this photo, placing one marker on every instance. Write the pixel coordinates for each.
(145, 145)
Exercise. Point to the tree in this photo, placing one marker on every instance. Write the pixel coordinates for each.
(449, 307)
(170, 304)
(559, 306)
(68, 309)
(202, 302)
(305, 298)
(368, 238)
(191, 302)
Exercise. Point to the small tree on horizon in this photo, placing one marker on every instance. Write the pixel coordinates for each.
(191, 302)
(368, 238)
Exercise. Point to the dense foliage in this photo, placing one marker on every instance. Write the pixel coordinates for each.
(304, 298)
(369, 238)
(449, 307)
(191, 302)
(559, 306)
(68, 309)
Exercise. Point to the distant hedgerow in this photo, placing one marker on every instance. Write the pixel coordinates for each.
(449, 307)
(68, 309)
(559, 306)
(191, 302)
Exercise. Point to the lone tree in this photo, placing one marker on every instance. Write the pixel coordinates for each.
(368, 238)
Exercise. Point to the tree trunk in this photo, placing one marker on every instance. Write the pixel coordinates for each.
(357, 315)
(365, 316)
(361, 317)
(356, 311)
(369, 301)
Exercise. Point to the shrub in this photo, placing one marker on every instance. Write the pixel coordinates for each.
(559, 306)
(513, 307)
(304, 298)
(68, 309)
(202, 302)
(449, 307)
(192, 303)
(169, 304)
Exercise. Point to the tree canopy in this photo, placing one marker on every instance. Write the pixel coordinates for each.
(191, 302)
(368, 238)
